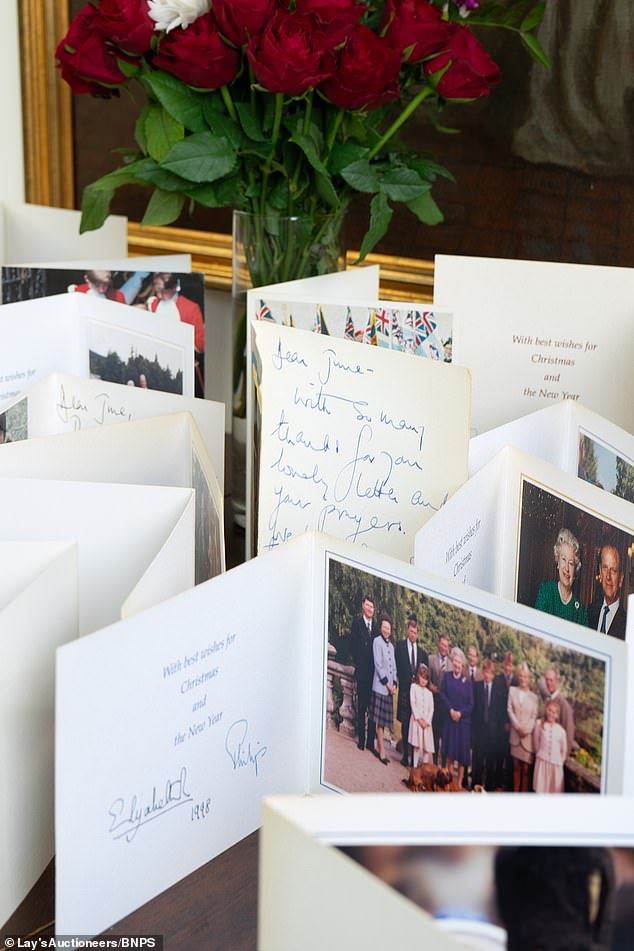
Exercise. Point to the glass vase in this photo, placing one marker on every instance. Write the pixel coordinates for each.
(268, 249)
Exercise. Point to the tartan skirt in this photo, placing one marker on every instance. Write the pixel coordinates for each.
(383, 710)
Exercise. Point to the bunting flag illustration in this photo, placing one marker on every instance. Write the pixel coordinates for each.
(349, 329)
(264, 312)
(322, 323)
(369, 335)
(424, 325)
(397, 333)
(382, 322)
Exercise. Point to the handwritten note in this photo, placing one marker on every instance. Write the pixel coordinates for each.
(362, 443)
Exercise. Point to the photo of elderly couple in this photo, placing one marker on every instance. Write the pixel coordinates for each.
(427, 695)
(573, 564)
(515, 897)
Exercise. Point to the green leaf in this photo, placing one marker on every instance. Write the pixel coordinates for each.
(534, 18)
(202, 157)
(278, 195)
(149, 172)
(250, 121)
(326, 190)
(380, 217)
(163, 208)
(344, 154)
(430, 170)
(403, 184)
(221, 125)
(183, 104)
(162, 131)
(204, 195)
(535, 48)
(139, 129)
(361, 175)
(309, 148)
(95, 208)
(426, 209)
(263, 150)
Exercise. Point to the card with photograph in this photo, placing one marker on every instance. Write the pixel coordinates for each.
(471, 702)
(523, 529)
(179, 296)
(467, 876)
(158, 801)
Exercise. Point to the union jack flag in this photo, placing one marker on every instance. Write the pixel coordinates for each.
(397, 332)
(319, 323)
(424, 325)
(382, 322)
(264, 312)
(349, 331)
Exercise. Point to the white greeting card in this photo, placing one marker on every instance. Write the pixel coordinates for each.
(456, 876)
(522, 528)
(37, 233)
(135, 542)
(38, 613)
(63, 403)
(571, 437)
(88, 337)
(343, 449)
(162, 450)
(532, 333)
(230, 704)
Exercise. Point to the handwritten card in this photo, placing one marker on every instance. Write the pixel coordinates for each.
(357, 442)
(532, 333)
(62, 403)
(147, 805)
(38, 613)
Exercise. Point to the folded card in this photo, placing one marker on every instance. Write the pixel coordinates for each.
(248, 704)
(135, 542)
(571, 437)
(163, 450)
(35, 233)
(346, 449)
(523, 529)
(63, 403)
(528, 331)
(471, 873)
(38, 612)
(97, 338)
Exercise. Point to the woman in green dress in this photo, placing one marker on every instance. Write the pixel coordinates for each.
(558, 597)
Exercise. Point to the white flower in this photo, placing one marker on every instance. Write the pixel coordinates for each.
(168, 14)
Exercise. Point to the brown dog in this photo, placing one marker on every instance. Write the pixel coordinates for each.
(428, 778)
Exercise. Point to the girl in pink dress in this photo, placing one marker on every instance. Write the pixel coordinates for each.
(549, 739)
(421, 735)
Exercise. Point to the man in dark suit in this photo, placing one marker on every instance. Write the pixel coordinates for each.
(438, 666)
(606, 614)
(362, 634)
(487, 720)
(408, 657)
(504, 763)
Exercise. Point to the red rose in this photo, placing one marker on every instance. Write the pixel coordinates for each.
(239, 20)
(198, 55)
(291, 54)
(126, 23)
(368, 72)
(415, 23)
(87, 62)
(471, 71)
(336, 18)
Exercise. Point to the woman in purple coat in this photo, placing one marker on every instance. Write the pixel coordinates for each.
(456, 693)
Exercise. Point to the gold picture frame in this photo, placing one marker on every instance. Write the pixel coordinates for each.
(49, 167)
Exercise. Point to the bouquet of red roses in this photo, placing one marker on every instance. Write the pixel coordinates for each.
(283, 106)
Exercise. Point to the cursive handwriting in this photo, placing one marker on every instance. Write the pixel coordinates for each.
(69, 408)
(126, 818)
(285, 468)
(333, 364)
(403, 426)
(285, 434)
(368, 481)
(419, 499)
(104, 409)
(239, 749)
(279, 358)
